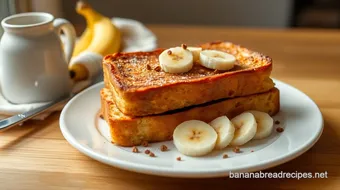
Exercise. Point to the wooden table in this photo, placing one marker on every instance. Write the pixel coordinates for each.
(36, 155)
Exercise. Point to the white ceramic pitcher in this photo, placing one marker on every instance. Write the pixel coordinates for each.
(34, 63)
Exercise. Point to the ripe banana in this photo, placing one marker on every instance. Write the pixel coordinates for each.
(176, 60)
(194, 138)
(245, 128)
(85, 65)
(100, 38)
(219, 60)
(85, 39)
(105, 36)
(225, 131)
(264, 124)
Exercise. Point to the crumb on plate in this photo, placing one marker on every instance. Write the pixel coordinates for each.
(164, 148)
(152, 154)
(237, 149)
(135, 149)
(279, 129)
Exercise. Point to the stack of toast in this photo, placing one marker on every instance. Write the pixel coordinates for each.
(142, 103)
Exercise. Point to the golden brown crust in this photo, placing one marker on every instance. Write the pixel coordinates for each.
(141, 90)
(132, 131)
(136, 71)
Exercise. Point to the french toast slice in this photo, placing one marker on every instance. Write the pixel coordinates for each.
(132, 131)
(140, 87)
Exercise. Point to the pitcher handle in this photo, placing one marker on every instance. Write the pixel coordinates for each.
(70, 34)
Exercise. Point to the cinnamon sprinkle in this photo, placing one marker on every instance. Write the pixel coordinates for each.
(158, 68)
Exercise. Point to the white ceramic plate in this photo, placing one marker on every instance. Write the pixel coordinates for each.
(299, 116)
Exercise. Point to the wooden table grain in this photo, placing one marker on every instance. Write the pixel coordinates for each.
(36, 155)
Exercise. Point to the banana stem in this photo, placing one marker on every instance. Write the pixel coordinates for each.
(88, 12)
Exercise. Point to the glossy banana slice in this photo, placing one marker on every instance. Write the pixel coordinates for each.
(264, 124)
(195, 53)
(225, 131)
(194, 138)
(245, 128)
(176, 60)
(219, 60)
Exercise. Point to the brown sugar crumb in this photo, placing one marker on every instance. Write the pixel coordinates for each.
(225, 156)
(164, 148)
(158, 68)
(184, 46)
(178, 159)
(147, 151)
(148, 67)
(145, 143)
(169, 52)
(237, 149)
(279, 129)
(101, 116)
(251, 151)
(277, 122)
(135, 149)
(152, 154)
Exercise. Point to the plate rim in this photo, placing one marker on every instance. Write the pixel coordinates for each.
(170, 172)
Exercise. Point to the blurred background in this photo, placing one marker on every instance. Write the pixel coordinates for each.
(240, 13)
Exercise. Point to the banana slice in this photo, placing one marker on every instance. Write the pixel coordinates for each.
(225, 131)
(195, 52)
(264, 124)
(176, 60)
(245, 128)
(219, 60)
(194, 138)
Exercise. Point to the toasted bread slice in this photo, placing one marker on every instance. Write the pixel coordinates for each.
(131, 131)
(141, 88)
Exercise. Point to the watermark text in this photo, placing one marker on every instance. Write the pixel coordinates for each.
(280, 175)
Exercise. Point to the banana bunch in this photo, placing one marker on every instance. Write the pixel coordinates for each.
(100, 37)
(197, 138)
